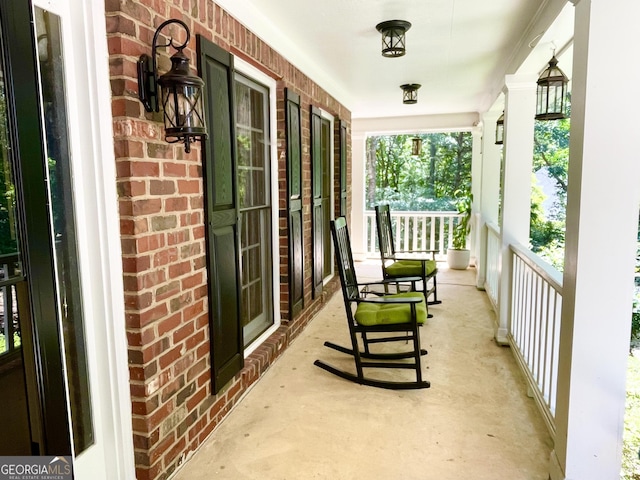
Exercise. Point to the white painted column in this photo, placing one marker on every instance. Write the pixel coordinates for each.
(602, 222)
(520, 110)
(489, 180)
(358, 226)
(476, 185)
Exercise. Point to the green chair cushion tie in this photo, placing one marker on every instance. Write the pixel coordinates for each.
(369, 314)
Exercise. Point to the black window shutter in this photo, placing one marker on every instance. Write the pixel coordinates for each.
(343, 168)
(294, 204)
(215, 66)
(317, 217)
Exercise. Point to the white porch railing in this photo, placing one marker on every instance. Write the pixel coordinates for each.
(534, 333)
(535, 295)
(535, 302)
(415, 231)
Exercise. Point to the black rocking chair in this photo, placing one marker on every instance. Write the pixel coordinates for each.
(421, 263)
(396, 316)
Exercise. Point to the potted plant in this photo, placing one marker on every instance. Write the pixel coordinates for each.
(458, 255)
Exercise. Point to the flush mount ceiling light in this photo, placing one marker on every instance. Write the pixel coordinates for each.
(410, 93)
(500, 130)
(393, 38)
(181, 92)
(552, 93)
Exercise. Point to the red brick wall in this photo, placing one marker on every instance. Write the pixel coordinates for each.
(162, 230)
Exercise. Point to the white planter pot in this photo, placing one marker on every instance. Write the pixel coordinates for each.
(458, 259)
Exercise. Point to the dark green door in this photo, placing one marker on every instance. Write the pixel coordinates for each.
(33, 416)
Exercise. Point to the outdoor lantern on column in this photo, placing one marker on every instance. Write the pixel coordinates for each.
(416, 146)
(552, 93)
(410, 92)
(180, 92)
(500, 130)
(393, 37)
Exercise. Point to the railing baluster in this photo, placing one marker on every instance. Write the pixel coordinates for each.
(414, 230)
(432, 235)
(536, 302)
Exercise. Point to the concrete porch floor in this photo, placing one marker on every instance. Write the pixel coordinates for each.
(300, 422)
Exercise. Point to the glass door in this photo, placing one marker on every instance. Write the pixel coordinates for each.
(62, 218)
(81, 209)
(32, 381)
(57, 173)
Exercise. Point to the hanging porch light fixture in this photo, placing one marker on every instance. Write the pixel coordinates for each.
(500, 130)
(180, 92)
(416, 146)
(410, 93)
(552, 93)
(393, 37)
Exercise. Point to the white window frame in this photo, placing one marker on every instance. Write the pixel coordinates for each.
(331, 118)
(246, 69)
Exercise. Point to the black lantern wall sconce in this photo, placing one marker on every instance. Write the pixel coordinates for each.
(416, 146)
(181, 93)
(393, 37)
(410, 93)
(552, 93)
(500, 130)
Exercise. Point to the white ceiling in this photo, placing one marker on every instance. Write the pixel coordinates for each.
(458, 50)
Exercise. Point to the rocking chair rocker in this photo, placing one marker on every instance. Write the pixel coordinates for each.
(399, 314)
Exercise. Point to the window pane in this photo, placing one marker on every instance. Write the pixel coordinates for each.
(252, 131)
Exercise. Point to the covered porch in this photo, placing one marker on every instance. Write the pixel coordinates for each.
(476, 420)
(550, 406)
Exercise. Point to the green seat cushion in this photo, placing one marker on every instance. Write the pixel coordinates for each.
(409, 268)
(369, 314)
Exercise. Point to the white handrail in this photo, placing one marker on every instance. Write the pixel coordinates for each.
(415, 231)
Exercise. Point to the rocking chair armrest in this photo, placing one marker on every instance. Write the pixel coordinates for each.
(383, 299)
(412, 255)
(388, 281)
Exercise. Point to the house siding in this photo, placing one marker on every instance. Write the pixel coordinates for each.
(162, 229)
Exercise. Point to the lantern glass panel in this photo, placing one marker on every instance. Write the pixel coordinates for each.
(541, 101)
(416, 146)
(393, 43)
(182, 110)
(552, 90)
(500, 130)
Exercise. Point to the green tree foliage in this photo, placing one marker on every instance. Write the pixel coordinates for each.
(550, 160)
(635, 316)
(428, 181)
(8, 233)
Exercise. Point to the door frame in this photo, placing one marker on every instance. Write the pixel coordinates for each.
(99, 250)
